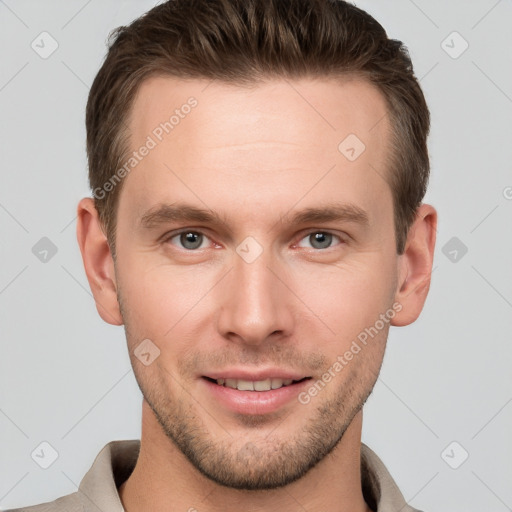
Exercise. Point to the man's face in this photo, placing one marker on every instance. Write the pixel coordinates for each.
(257, 296)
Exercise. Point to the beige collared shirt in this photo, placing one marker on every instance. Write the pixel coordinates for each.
(113, 465)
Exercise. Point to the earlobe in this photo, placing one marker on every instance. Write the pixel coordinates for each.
(415, 266)
(98, 262)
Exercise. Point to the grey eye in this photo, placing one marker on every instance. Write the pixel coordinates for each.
(189, 240)
(319, 239)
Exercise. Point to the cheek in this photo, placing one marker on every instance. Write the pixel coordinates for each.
(160, 298)
(347, 297)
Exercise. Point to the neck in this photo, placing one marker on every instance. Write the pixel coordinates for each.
(164, 480)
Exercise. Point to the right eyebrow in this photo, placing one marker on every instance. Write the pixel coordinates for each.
(177, 212)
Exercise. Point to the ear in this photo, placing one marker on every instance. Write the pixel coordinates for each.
(98, 262)
(415, 266)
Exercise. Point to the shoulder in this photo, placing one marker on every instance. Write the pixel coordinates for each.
(68, 503)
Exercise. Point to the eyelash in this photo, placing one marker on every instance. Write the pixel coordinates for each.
(170, 236)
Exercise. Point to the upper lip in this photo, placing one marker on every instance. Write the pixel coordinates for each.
(269, 373)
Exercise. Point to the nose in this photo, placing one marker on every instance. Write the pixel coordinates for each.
(255, 304)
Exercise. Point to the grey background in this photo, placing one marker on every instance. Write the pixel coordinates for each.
(65, 375)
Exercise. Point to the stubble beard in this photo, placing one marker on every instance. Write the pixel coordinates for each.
(256, 462)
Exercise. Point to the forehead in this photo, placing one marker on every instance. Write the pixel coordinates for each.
(333, 105)
(269, 141)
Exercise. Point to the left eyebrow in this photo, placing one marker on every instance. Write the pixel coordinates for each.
(332, 212)
(181, 212)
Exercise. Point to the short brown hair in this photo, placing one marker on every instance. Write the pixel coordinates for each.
(246, 41)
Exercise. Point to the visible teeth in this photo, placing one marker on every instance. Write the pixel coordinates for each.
(231, 383)
(263, 385)
(245, 385)
(277, 383)
(258, 385)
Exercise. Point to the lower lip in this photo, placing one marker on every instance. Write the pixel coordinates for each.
(254, 402)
